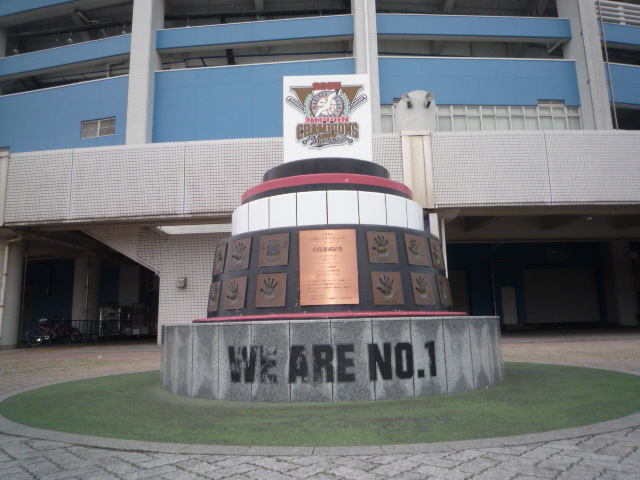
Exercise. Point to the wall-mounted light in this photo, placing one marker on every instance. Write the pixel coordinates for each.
(407, 97)
(181, 282)
(429, 99)
(70, 39)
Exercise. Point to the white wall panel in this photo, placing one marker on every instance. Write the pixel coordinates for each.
(489, 168)
(372, 208)
(259, 214)
(594, 167)
(282, 210)
(136, 180)
(312, 208)
(396, 211)
(218, 172)
(342, 207)
(38, 186)
(240, 220)
(415, 217)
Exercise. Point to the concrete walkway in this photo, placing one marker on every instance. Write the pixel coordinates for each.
(603, 451)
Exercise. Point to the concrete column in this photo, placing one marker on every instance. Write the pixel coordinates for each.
(148, 16)
(3, 42)
(585, 49)
(618, 284)
(86, 293)
(365, 51)
(12, 310)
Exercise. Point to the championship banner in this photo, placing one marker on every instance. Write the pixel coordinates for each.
(327, 116)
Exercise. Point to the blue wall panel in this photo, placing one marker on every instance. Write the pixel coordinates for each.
(228, 102)
(251, 32)
(67, 55)
(50, 119)
(476, 26)
(625, 80)
(480, 81)
(622, 34)
(9, 7)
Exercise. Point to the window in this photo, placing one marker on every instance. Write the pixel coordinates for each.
(98, 128)
(547, 115)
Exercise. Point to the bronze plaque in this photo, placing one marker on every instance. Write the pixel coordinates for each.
(436, 253)
(328, 267)
(422, 287)
(416, 250)
(387, 288)
(214, 297)
(443, 289)
(382, 247)
(218, 262)
(274, 250)
(239, 253)
(271, 290)
(234, 291)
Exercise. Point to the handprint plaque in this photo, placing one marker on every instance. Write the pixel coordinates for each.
(235, 292)
(239, 253)
(382, 247)
(443, 290)
(436, 253)
(387, 288)
(422, 287)
(271, 290)
(218, 261)
(416, 250)
(214, 297)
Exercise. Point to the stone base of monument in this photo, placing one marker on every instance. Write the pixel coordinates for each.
(332, 360)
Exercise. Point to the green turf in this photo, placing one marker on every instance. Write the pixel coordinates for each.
(533, 398)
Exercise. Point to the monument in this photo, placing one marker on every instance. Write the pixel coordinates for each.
(331, 287)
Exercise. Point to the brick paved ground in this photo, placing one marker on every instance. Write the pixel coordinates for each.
(611, 455)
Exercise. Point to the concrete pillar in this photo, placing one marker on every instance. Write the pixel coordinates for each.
(148, 17)
(86, 294)
(618, 285)
(365, 51)
(585, 49)
(3, 42)
(12, 310)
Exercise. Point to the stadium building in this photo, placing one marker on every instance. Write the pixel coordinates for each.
(130, 129)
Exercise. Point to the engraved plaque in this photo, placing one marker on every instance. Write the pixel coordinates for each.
(387, 288)
(234, 291)
(274, 250)
(443, 289)
(382, 247)
(328, 267)
(214, 297)
(271, 290)
(239, 253)
(218, 262)
(416, 250)
(422, 287)
(436, 253)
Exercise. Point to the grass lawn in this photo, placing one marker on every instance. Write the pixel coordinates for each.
(532, 398)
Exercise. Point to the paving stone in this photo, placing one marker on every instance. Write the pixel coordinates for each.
(352, 473)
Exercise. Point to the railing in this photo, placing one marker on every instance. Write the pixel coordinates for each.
(618, 12)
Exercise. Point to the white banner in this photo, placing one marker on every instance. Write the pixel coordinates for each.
(327, 116)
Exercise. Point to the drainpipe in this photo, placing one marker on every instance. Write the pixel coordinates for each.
(5, 268)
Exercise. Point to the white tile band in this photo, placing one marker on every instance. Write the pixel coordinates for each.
(332, 207)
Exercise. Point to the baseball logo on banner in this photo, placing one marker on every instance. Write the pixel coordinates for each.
(327, 116)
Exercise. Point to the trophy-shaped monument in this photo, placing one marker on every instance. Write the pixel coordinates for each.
(331, 287)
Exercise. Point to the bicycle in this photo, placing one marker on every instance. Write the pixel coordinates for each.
(43, 333)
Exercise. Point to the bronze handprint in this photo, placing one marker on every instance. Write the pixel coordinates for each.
(269, 290)
(386, 286)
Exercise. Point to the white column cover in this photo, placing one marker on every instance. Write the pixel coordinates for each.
(148, 16)
(365, 51)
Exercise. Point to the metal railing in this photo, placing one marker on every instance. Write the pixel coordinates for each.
(618, 12)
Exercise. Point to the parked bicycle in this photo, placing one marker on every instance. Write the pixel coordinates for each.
(59, 330)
